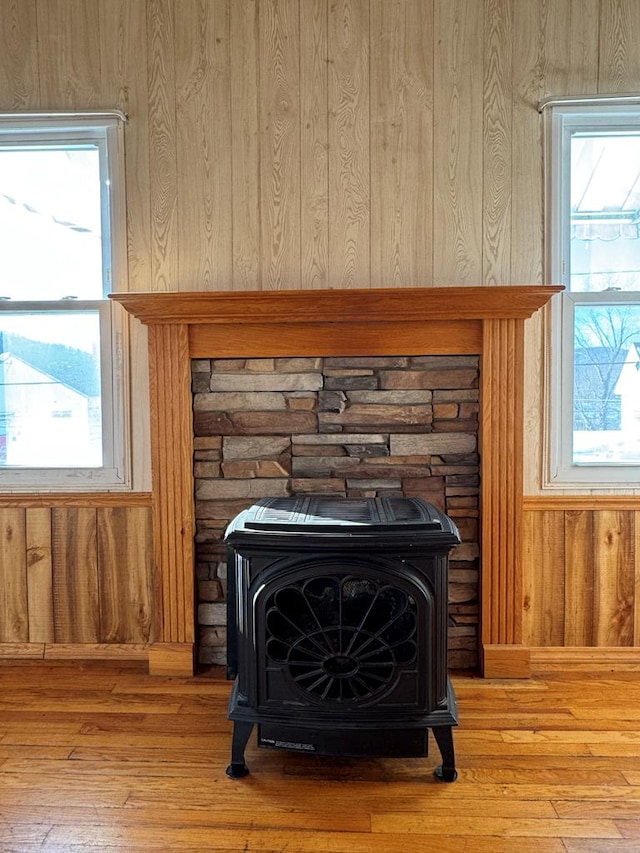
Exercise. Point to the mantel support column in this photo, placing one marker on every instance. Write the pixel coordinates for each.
(501, 503)
(173, 524)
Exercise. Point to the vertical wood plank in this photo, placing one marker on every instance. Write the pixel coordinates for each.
(203, 107)
(245, 154)
(584, 31)
(18, 55)
(579, 578)
(349, 144)
(75, 575)
(526, 186)
(124, 545)
(619, 66)
(401, 143)
(544, 554)
(457, 214)
(14, 627)
(123, 59)
(39, 575)
(614, 578)
(279, 62)
(636, 565)
(498, 113)
(163, 177)
(314, 145)
(69, 54)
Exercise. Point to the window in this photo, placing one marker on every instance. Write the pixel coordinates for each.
(62, 346)
(593, 249)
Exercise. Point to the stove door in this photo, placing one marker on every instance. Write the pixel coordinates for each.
(345, 637)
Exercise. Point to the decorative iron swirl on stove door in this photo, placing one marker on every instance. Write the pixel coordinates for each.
(341, 638)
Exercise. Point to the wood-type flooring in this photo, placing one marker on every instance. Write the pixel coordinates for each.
(100, 756)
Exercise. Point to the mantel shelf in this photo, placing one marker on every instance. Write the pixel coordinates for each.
(371, 305)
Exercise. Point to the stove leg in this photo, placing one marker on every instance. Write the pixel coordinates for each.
(444, 738)
(241, 733)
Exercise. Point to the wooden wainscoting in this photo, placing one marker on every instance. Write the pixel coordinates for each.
(581, 580)
(76, 576)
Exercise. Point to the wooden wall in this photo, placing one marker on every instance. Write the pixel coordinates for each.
(75, 577)
(324, 143)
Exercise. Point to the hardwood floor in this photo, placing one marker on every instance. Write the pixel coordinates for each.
(103, 757)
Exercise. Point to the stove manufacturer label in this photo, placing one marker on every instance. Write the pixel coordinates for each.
(287, 744)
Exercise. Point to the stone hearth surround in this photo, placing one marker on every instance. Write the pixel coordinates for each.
(385, 426)
(484, 321)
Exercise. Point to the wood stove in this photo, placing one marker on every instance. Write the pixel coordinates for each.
(338, 628)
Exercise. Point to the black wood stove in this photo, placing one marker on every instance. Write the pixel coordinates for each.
(338, 628)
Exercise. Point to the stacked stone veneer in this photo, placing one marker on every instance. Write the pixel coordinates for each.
(383, 426)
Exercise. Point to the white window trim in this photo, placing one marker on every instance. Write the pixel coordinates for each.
(116, 473)
(558, 470)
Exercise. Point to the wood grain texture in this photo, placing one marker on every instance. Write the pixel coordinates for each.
(99, 756)
(39, 575)
(279, 129)
(581, 571)
(125, 575)
(498, 116)
(14, 626)
(204, 151)
(349, 142)
(528, 88)
(314, 145)
(442, 337)
(614, 578)
(584, 32)
(18, 55)
(172, 448)
(544, 580)
(293, 308)
(501, 448)
(246, 246)
(75, 575)
(69, 54)
(457, 100)
(619, 62)
(579, 586)
(163, 167)
(401, 143)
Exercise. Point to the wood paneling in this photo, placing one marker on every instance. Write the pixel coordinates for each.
(75, 575)
(13, 577)
(401, 143)
(323, 144)
(18, 54)
(582, 574)
(349, 143)
(458, 107)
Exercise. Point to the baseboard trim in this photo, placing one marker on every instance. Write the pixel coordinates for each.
(613, 658)
(74, 651)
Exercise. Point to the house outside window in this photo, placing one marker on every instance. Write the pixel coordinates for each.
(63, 401)
(592, 166)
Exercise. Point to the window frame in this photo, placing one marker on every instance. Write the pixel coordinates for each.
(106, 129)
(561, 117)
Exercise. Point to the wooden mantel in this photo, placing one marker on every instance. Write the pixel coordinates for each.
(488, 321)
